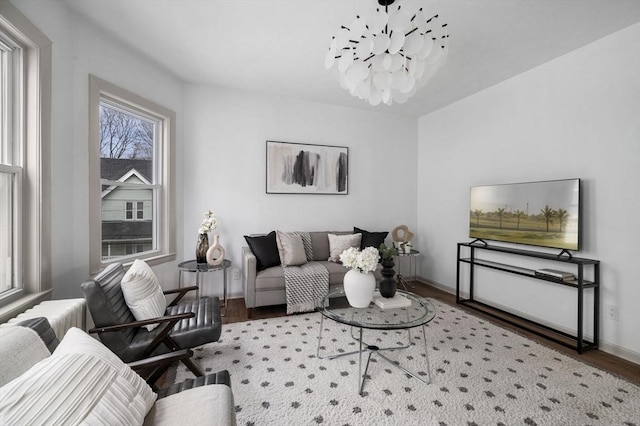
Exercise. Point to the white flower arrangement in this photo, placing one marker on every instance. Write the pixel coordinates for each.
(209, 222)
(364, 261)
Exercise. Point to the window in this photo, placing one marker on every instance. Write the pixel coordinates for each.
(11, 94)
(25, 135)
(131, 177)
(134, 211)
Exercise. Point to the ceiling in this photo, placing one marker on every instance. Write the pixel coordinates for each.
(278, 47)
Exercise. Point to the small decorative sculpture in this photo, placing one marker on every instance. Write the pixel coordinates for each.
(215, 254)
(406, 235)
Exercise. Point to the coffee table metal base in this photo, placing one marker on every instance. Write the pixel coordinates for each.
(375, 350)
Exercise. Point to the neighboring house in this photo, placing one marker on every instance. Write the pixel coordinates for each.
(127, 225)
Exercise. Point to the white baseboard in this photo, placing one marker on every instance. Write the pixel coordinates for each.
(604, 346)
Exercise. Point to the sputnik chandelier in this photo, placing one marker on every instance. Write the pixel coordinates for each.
(389, 56)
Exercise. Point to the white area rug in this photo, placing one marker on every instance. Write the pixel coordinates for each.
(482, 375)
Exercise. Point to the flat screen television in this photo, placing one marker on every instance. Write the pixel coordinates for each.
(545, 214)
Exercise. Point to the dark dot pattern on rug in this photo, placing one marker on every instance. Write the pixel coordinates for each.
(481, 375)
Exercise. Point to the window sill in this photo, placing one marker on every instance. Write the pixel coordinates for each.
(151, 260)
(15, 308)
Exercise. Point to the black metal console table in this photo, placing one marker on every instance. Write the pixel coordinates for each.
(577, 341)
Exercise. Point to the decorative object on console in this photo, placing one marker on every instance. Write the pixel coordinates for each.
(215, 254)
(388, 56)
(401, 234)
(208, 224)
(295, 168)
(359, 282)
(387, 285)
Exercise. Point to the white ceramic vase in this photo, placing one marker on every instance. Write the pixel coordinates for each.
(215, 254)
(359, 287)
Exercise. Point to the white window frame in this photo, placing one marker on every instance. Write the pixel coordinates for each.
(136, 207)
(33, 204)
(164, 217)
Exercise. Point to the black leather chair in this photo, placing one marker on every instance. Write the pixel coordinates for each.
(185, 325)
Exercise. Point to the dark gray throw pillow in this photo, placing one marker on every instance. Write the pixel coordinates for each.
(370, 239)
(265, 249)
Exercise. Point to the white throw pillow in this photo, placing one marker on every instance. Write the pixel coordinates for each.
(143, 293)
(339, 243)
(20, 349)
(291, 249)
(81, 383)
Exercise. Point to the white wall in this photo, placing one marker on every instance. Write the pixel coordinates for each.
(79, 50)
(224, 157)
(576, 116)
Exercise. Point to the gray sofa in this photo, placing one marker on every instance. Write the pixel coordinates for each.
(267, 288)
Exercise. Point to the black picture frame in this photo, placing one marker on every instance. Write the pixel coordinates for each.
(300, 168)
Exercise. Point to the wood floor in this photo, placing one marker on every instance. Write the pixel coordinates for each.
(236, 312)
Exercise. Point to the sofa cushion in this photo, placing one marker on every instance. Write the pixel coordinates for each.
(339, 243)
(320, 243)
(291, 248)
(210, 404)
(142, 292)
(370, 239)
(81, 383)
(265, 249)
(336, 272)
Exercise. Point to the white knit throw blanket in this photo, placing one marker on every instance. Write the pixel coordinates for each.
(304, 286)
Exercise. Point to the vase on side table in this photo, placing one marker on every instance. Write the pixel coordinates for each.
(388, 283)
(215, 254)
(202, 247)
(359, 287)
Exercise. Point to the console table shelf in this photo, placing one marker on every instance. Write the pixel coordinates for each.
(576, 341)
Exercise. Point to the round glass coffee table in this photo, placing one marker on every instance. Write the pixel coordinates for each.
(418, 313)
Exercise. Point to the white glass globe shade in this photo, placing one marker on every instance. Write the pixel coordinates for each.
(413, 43)
(396, 40)
(380, 43)
(409, 84)
(397, 61)
(387, 61)
(399, 20)
(330, 58)
(378, 21)
(435, 55)
(398, 79)
(345, 60)
(375, 97)
(364, 89)
(376, 63)
(427, 47)
(358, 71)
(386, 96)
(382, 80)
(364, 48)
(342, 38)
(357, 28)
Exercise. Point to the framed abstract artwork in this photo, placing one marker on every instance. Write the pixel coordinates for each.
(296, 168)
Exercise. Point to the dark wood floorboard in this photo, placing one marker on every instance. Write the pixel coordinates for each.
(236, 312)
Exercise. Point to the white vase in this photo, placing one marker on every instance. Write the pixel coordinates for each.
(215, 254)
(359, 288)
